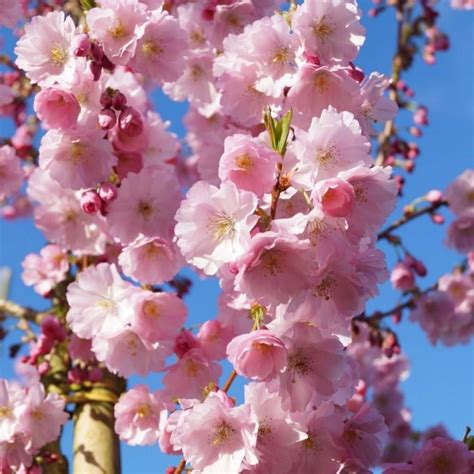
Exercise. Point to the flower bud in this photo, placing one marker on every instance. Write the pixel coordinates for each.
(91, 202)
(107, 192)
(119, 101)
(95, 70)
(106, 119)
(335, 196)
(130, 122)
(81, 45)
(402, 277)
(434, 196)
(97, 52)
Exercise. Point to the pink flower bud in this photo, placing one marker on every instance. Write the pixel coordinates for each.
(420, 268)
(107, 192)
(97, 52)
(335, 196)
(106, 99)
(434, 196)
(402, 277)
(43, 368)
(258, 356)
(416, 132)
(420, 117)
(56, 108)
(131, 122)
(119, 101)
(51, 327)
(106, 119)
(184, 342)
(95, 70)
(96, 374)
(437, 218)
(81, 45)
(91, 202)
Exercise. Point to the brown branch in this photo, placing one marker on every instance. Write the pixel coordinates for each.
(20, 312)
(410, 303)
(386, 233)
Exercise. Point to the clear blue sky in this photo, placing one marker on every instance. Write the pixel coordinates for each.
(441, 385)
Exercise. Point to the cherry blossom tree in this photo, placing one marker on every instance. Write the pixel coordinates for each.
(281, 190)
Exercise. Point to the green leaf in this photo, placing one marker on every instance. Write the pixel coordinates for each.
(87, 4)
(278, 130)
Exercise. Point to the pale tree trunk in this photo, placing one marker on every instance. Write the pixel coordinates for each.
(96, 446)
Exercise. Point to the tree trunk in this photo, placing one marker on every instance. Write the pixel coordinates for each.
(96, 446)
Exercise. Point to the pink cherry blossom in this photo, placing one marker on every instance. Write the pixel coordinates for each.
(158, 316)
(10, 13)
(9, 399)
(126, 353)
(57, 108)
(461, 233)
(115, 24)
(142, 207)
(249, 164)
(315, 366)
(11, 173)
(402, 277)
(46, 270)
(277, 430)
(71, 157)
(274, 267)
(335, 197)
(139, 416)
(258, 356)
(332, 143)
(214, 224)
(160, 49)
(99, 302)
(44, 51)
(364, 436)
(213, 338)
(41, 416)
(188, 377)
(151, 260)
(460, 193)
(227, 439)
(330, 29)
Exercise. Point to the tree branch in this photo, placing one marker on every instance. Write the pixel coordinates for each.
(385, 234)
(20, 312)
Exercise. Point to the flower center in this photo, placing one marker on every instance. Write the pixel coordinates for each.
(321, 82)
(5, 412)
(261, 347)
(244, 162)
(151, 48)
(143, 411)
(78, 152)
(327, 155)
(299, 362)
(222, 434)
(282, 56)
(132, 344)
(151, 309)
(322, 29)
(58, 55)
(360, 195)
(325, 289)
(118, 31)
(311, 443)
(264, 431)
(442, 465)
(196, 72)
(191, 368)
(271, 262)
(222, 226)
(145, 209)
(352, 435)
(37, 414)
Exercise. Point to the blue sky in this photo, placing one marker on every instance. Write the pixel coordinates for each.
(441, 385)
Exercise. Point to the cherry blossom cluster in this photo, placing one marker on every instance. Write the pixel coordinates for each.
(29, 419)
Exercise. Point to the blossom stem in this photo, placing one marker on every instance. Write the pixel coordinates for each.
(386, 233)
(20, 312)
(180, 467)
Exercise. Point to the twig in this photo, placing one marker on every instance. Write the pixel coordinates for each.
(385, 234)
(20, 312)
(378, 315)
